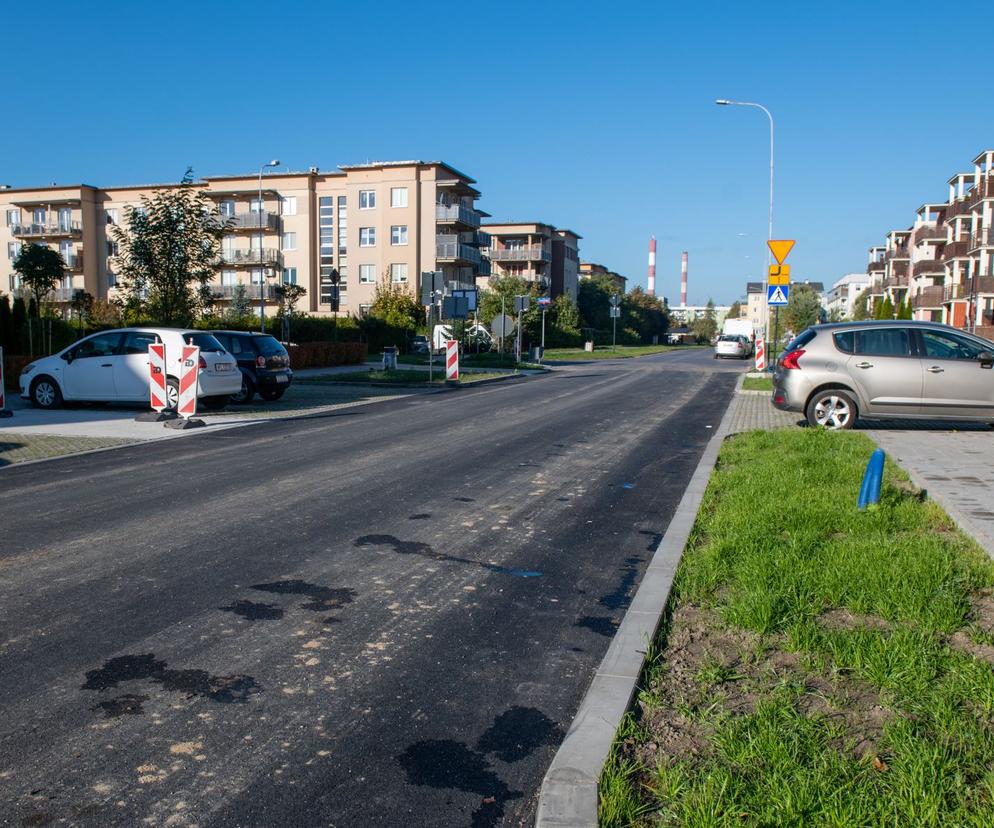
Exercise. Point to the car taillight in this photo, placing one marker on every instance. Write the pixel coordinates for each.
(203, 364)
(789, 360)
(260, 361)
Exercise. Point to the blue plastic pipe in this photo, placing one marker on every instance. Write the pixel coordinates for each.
(869, 491)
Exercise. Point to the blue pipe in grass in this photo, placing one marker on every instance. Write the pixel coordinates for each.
(869, 491)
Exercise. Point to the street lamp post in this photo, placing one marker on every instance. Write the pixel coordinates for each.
(262, 267)
(776, 312)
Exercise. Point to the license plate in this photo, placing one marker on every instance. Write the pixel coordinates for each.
(222, 367)
(281, 378)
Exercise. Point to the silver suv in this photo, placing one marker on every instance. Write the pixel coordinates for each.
(885, 370)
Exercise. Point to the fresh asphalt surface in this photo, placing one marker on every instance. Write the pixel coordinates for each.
(385, 615)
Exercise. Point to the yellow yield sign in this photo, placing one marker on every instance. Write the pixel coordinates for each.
(779, 275)
(780, 248)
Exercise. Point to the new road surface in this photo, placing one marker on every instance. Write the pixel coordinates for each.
(385, 615)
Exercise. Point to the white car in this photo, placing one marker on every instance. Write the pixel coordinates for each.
(112, 366)
(732, 345)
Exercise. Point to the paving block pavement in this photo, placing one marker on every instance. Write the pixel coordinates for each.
(18, 448)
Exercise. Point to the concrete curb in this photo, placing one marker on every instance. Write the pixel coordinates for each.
(568, 798)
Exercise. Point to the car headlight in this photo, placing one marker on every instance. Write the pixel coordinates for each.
(27, 369)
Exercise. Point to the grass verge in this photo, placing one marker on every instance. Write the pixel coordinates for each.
(490, 359)
(757, 384)
(607, 352)
(818, 665)
(403, 377)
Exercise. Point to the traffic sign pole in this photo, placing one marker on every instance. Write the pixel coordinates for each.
(780, 248)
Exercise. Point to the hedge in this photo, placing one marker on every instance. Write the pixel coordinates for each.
(327, 354)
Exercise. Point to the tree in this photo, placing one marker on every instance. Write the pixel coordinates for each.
(81, 307)
(735, 311)
(19, 321)
(904, 310)
(861, 306)
(706, 325)
(6, 325)
(41, 270)
(884, 309)
(396, 305)
(105, 314)
(500, 296)
(803, 308)
(288, 295)
(593, 300)
(563, 323)
(644, 317)
(169, 247)
(240, 306)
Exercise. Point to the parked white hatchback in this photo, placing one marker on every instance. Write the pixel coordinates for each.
(732, 345)
(112, 366)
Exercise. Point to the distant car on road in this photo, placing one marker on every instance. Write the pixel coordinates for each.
(263, 363)
(419, 344)
(732, 345)
(901, 369)
(112, 366)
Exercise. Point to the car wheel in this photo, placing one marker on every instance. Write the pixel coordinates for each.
(244, 396)
(215, 403)
(832, 409)
(272, 394)
(715, 356)
(172, 393)
(45, 393)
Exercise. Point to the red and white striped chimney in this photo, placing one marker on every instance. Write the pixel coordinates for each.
(683, 280)
(652, 266)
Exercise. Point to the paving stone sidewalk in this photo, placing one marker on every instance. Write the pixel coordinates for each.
(19, 448)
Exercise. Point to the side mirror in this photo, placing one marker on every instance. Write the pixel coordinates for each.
(986, 359)
(68, 356)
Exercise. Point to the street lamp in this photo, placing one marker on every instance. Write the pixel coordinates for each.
(725, 102)
(262, 270)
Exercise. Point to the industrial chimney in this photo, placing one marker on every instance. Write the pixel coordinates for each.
(652, 266)
(683, 280)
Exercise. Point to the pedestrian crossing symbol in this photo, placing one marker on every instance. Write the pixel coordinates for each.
(777, 294)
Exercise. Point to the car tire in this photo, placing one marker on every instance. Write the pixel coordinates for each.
(172, 393)
(715, 356)
(833, 409)
(45, 393)
(215, 403)
(247, 392)
(272, 394)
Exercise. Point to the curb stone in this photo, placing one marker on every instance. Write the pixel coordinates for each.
(569, 796)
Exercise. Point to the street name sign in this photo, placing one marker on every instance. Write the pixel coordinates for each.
(777, 295)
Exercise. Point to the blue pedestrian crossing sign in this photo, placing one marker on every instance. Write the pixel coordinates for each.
(777, 294)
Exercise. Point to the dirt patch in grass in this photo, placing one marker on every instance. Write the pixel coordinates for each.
(843, 619)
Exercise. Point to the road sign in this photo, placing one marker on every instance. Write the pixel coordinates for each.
(451, 360)
(432, 286)
(780, 248)
(469, 295)
(543, 301)
(779, 275)
(455, 307)
(615, 313)
(777, 294)
(521, 304)
(189, 372)
(502, 325)
(157, 376)
(615, 301)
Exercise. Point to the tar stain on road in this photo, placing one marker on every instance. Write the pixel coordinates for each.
(621, 596)
(146, 667)
(322, 598)
(601, 625)
(447, 764)
(255, 611)
(424, 550)
(129, 704)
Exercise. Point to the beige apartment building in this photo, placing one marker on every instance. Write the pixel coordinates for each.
(537, 252)
(944, 262)
(588, 270)
(389, 220)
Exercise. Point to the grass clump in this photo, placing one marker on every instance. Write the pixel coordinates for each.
(757, 384)
(822, 666)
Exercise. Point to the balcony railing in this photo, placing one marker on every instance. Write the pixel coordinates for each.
(959, 207)
(457, 214)
(74, 261)
(529, 253)
(898, 270)
(928, 297)
(449, 247)
(985, 238)
(874, 267)
(484, 268)
(955, 250)
(927, 231)
(250, 221)
(251, 291)
(981, 190)
(963, 290)
(928, 266)
(249, 257)
(62, 228)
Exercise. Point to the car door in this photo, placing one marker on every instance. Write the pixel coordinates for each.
(955, 383)
(89, 374)
(131, 368)
(886, 371)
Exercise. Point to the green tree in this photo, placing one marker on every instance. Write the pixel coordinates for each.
(81, 307)
(240, 306)
(396, 304)
(904, 309)
(705, 326)
(735, 311)
(169, 247)
(41, 270)
(884, 309)
(19, 321)
(644, 317)
(6, 325)
(861, 306)
(593, 300)
(563, 324)
(503, 289)
(803, 308)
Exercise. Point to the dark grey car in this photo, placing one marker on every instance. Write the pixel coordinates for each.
(903, 369)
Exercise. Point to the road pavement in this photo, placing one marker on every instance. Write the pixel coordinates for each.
(383, 615)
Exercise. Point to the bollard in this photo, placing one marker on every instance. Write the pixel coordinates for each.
(869, 491)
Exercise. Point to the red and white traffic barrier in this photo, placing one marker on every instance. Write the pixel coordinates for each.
(3, 397)
(189, 374)
(451, 359)
(760, 354)
(157, 377)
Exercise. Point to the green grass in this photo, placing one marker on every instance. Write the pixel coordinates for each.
(488, 359)
(402, 377)
(757, 384)
(777, 543)
(607, 352)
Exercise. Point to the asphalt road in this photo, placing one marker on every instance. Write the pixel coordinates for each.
(383, 616)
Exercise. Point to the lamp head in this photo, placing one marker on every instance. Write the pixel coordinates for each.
(722, 102)
(273, 163)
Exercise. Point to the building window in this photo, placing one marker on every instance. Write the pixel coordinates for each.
(111, 278)
(364, 309)
(289, 241)
(112, 215)
(229, 277)
(367, 274)
(289, 275)
(226, 208)
(398, 234)
(289, 205)
(13, 217)
(367, 199)
(113, 248)
(398, 272)
(343, 226)
(39, 215)
(398, 196)
(13, 249)
(257, 276)
(367, 237)
(257, 206)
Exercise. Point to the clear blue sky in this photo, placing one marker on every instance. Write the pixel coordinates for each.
(597, 118)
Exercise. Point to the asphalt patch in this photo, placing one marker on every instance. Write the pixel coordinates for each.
(130, 704)
(598, 624)
(621, 597)
(322, 598)
(519, 732)
(255, 611)
(425, 550)
(191, 683)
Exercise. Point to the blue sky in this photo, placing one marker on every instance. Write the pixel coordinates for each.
(599, 118)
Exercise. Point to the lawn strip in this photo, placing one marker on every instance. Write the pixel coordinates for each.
(818, 665)
(757, 384)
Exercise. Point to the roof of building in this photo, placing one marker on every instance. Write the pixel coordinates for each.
(373, 165)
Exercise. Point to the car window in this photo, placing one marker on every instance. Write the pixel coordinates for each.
(225, 341)
(204, 341)
(845, 341)
(728, 338)
(137, 342)
(268, 345)
(884, 342)
(101, 345)
(802, 339)
(943, 345)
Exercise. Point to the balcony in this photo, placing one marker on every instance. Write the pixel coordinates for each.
(529, 253)
(72, 229)
(457, 214)
(449, 248)
(247, 258)
(928, 297)
(981, 190)
(982, 285)
(985, 238)
(876, 267)
(251, 220)
(484, 268)
(960, 207)
(251, 291)
(894, 282)
(929, 231)
(74, 261)
(928, 266)
(955, 250)
(898, 270)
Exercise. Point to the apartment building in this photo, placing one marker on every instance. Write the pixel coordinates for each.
(840, 299)
(537, 252)
(389, 220)
(588, 270)
(944, 262)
